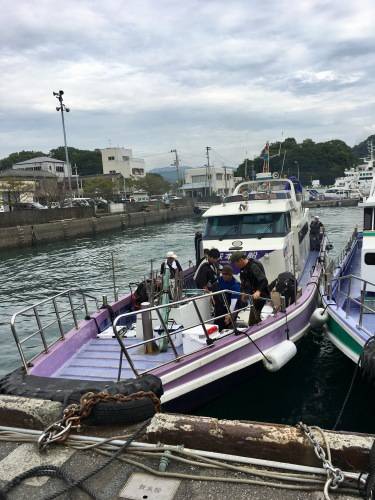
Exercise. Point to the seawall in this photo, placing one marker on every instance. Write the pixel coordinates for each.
(37, 234)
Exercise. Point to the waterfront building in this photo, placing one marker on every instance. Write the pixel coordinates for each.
(207, 181)
(46, 164)
(27, 186)
(121, 161)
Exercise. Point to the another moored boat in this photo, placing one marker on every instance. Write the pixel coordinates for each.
(349, 296)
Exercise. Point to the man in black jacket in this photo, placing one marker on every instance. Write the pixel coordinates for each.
(253, 282)
(208, 273)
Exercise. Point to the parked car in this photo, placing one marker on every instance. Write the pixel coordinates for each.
(31, 205)
(78, 202)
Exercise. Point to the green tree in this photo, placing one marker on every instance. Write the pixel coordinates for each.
(87, 162)
(13, 158)
(153, 184)
(99, 187)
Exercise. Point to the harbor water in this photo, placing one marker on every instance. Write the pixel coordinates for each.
(311, 387)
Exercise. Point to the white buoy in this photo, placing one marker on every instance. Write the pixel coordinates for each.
(279, 355)
(318, 318)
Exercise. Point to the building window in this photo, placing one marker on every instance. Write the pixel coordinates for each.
(137, 171)
(59, 169)
(219, 177)
(112, 172)
(111, 158)
(125, 158)
(198, 178)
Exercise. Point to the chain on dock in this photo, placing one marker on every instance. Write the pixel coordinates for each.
(335, 476)
(74, 413)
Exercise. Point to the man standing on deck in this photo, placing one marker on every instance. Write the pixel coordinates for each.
(171, 263)
(208, 271)
(253, 282)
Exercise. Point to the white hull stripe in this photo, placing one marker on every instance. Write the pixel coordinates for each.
(212, 356)
(220, 373)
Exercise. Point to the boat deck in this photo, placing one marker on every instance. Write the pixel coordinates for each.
(99, 360)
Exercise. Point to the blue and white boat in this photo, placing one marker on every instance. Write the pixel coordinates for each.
(349, 298)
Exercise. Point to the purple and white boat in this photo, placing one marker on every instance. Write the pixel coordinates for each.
(177, 341)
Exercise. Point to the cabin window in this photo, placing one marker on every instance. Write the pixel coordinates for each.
(367, 220)
(370, 259)
(248, 226)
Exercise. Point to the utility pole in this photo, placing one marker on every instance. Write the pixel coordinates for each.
(177, 165)
(208, 149)
(62, 108)
(76, 174)
(225, 180)
(246, 172)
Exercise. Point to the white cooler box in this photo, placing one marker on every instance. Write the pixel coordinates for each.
(195, 338)
(174, 332)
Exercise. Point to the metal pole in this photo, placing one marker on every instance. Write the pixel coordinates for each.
(294, 274)
(115, 291)
(209, 170)
(66, 150)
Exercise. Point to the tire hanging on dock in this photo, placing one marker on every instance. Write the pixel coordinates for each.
(68, 391)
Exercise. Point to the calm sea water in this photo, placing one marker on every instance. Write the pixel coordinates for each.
(311, 387)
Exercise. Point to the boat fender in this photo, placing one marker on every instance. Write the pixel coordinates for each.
(318, 318)
(279, 355)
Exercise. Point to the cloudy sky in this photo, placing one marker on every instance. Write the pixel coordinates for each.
(156, 74)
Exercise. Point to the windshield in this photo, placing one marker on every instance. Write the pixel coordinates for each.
(248, 226)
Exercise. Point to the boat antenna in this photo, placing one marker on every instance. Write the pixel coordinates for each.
(283, 163)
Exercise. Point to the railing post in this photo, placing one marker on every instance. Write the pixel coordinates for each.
(58, 318)
(40, 329)
(209, 341)
(165, 328)
(363, 296)
(72, 310)
(127, 356)
(85, 304)
(19, 347)
(348, 298)
(338, 294)
(228, 309)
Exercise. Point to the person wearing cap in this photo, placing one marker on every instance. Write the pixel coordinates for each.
(316, 233)
(226, 282)
(254, 283)
(171, 263)
(207, 273)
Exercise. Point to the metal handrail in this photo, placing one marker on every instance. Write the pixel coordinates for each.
(209, 341)
(58, 315)
(347, 297)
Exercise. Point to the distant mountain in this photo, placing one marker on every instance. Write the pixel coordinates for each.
(169, 173)
(361, 149)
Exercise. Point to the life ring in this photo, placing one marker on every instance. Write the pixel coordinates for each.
(68, 391)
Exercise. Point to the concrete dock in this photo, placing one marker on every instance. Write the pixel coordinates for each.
(191, 443)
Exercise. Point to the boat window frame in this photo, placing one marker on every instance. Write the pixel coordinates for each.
(368, 225)
(372, 257)
(237, 223)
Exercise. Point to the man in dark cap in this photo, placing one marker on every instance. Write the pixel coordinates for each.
(207, 273)
(253, 282)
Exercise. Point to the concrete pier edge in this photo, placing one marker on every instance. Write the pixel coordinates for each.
(37, 234)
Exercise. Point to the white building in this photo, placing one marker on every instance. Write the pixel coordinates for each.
(203, 181)
(57, 167)
(122, 161)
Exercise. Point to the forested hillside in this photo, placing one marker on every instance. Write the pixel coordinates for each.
(309, 159)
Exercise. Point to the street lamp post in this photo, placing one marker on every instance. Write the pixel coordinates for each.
(62, 108)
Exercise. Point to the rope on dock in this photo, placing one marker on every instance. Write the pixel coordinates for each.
(114, 447)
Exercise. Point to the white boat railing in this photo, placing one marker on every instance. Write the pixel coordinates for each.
(63, 316)
(348, 299)
(167, 335)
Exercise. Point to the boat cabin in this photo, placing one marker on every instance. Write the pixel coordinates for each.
(266, 220)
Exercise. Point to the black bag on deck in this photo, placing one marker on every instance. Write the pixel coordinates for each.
(285, 284)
